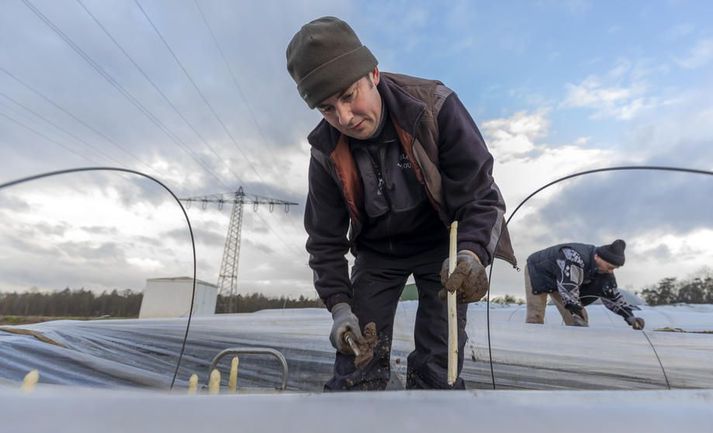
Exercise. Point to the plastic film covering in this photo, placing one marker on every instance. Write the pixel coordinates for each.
(142, 353)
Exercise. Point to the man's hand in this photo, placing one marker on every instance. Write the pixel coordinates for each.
(579, 320)
(344, 320)
(636, 322)
(468, 279)
(577, 315)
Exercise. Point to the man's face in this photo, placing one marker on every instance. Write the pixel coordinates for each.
(604, 266)
(355, 111)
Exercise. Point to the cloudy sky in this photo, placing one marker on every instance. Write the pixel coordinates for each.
(196, 94)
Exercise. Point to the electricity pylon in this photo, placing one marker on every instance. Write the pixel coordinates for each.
(228, 275)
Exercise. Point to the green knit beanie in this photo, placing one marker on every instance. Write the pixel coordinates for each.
(326, 57)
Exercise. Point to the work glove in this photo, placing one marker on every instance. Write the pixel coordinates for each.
(344, 320)
(468, 280)
(579, 320)
(577, 316)
(635, 322)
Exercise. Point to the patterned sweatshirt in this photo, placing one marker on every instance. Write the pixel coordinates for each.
(579, 286)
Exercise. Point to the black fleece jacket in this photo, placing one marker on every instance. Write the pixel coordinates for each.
(469, 192)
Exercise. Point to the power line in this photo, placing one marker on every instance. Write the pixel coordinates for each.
(98, 151)
(130, 97)
(120, 88)
(228, 275)
(156, 87)
(29, 128)
(230, 70)
(266, 223)
(205, 100)
(70, 114)
(235, 82)
(198, 90)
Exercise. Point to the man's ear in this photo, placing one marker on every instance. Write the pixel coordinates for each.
(374, 75)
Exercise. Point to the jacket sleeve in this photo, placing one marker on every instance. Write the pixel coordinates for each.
(570, 279)
(470, 192)
(614, 300)
(327, 222)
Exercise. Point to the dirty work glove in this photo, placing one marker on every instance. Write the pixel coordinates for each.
(344, 320)
(468, 280)
(579, 320)
(577, 315)
(635, 322)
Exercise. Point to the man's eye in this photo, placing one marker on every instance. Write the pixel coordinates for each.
(325, 109)
(347, 97)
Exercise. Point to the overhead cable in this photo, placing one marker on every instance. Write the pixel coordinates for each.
(73, 116)
(198, 90)
(122, 90)
(158, 89)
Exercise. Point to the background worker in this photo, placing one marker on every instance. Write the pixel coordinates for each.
(575, 275)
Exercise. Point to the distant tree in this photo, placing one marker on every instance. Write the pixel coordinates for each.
(663, 293)
(696, 290)
(68, 302)
(507, 299)
(692, 292)
(708, 290)
(258, 301)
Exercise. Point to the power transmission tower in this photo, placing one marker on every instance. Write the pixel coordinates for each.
(228, 275)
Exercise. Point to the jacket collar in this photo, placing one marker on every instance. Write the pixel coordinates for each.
(405, 110)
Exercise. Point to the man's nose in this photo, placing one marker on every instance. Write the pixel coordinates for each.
(344, 114)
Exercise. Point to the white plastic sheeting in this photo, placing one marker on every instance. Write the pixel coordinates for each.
(108, 411)
(608, 355)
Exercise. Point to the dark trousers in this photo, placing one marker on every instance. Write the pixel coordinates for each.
(378, 282)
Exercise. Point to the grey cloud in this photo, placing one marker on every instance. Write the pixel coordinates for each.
(74, 264)
(25, 242)
(16, 204)
(686, 153)
(249, 114)
(52, 229)
(91, 252)
(57, 275)
(661, 252)
(259, 246)
(31, 238)
(100, 230)
(131, 189)
(202, 235)
(630, 203)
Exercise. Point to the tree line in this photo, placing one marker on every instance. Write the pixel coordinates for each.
(125, 303)
(71, 303)
(697, 290)
(258, 301)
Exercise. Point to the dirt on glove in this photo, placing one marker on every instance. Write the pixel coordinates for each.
(367, 346)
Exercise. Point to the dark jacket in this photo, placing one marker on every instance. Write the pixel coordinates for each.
(449, 158)
(570, 270)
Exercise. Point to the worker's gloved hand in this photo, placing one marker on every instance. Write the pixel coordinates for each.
(579, 320)
(344, 320)
(468, 280)
(577, 316)
(636, 322)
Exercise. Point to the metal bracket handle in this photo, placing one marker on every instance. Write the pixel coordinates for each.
(253, 351)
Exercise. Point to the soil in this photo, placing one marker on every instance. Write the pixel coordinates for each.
(366, 348)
